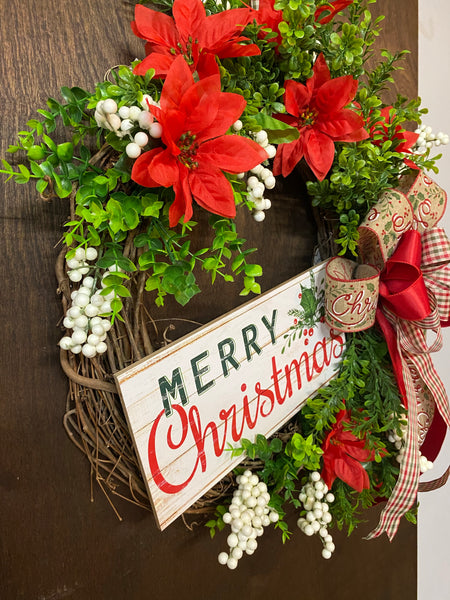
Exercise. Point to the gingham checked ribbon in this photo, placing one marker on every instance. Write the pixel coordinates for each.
(436, 270)
(415, 298)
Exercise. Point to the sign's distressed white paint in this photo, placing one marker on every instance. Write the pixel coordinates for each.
(188, 403)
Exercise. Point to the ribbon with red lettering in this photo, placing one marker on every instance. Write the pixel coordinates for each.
(414, 299)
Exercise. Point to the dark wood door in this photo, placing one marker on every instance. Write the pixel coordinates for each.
(60, 538)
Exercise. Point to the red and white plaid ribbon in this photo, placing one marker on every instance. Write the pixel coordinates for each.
(415, 357)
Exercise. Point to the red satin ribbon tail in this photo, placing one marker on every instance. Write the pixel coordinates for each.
(391, 340)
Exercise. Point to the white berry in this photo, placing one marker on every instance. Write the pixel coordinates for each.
(89, 351)
(155, 130)
(259, 216)
(124, 112)
(145, 120)
(135, 112)
(79, 336)
(109, 106)
(141, 139)
(66, 343)
(91, 253)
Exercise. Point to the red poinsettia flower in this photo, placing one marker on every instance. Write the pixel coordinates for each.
(195, 117)
(267, 16)
(343, 454)
(190, 33)
(317, 110)
(405, 140)
(331, 9)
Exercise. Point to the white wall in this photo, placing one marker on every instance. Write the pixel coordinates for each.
(434, 89)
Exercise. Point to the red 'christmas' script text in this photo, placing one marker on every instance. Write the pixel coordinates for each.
(231, 423)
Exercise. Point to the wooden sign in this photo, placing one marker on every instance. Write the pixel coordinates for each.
(246, 373)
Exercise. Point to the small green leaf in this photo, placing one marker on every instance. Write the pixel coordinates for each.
(253, 270)
(41, 185)
(65, 151)
(49, 142)
(277, 131)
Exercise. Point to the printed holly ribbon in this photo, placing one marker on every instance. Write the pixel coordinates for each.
(409, 298)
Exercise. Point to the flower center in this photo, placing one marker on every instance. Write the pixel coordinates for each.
(186, 52)
(188, 150)
(308, 117)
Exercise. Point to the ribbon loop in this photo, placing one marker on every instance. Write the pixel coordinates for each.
(402, 286)
(351, 293)
(436, 270)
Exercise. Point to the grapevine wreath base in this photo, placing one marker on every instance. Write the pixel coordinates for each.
(229, 101)
(94, 418)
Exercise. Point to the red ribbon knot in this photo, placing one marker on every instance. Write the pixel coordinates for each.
(402, 286)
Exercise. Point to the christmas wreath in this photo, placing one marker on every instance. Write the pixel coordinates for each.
(229, 98)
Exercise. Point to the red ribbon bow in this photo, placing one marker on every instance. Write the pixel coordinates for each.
(415, 298)
(402, 286)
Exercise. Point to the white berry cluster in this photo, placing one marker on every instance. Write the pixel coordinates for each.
(427, 139)
(316, 498)
(261, 179)
(127, 118)
(84, 316)
(424, 464)
(248, 514)
(78, 264)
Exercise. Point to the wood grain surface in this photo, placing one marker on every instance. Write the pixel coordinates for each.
(55, 543)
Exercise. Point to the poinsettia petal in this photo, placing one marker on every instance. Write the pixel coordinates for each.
(140, 173)
(223, 27)
(229, 110)
(182, 205)
(212, 190)
(173, 123)
(267, 16)
(360, 452)
(355, 136)
(207, 65)
(321, 74)
(352, 473)
(408, 138)
(330, 10)
(233, 49)
(411, 164)
(347, 437)
(341, 418)
(155, 27)
(288, 156)
(340, 125)
(385, 113)
(179, 79)
(296, 97)
(160, 62)
(134, 28)
(200, 104)
(319, 153)
(190, 17)
(328, 474)
(231, 153)
(164, 168)
(333, 95)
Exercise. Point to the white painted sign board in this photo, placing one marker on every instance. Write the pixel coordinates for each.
(245, 373)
